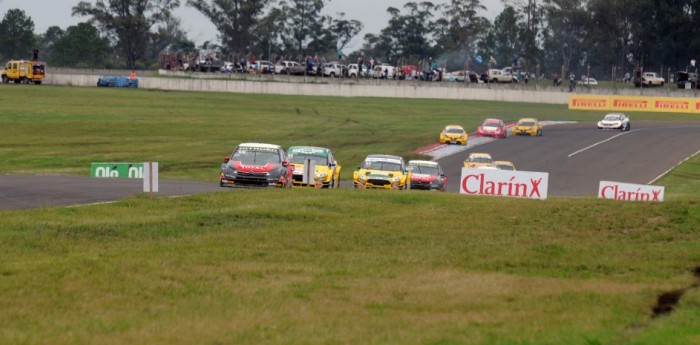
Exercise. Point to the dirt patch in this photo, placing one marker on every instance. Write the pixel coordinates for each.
(667, 301)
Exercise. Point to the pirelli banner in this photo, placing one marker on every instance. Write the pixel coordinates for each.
(635, 103)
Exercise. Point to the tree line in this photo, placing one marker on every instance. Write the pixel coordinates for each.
(603, 38)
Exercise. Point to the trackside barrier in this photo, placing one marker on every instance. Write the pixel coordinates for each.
(148, 171)
(519, 184)
(635, 103)
(630, 192)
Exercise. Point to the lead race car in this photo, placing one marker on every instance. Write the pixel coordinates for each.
(528, 126)
(326, 172)
(427, 175)
(382, 172)
(256, 165)
(615, 121)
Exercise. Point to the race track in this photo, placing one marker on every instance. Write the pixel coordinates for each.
(578, 156)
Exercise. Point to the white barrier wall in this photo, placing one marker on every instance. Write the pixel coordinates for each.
(283, 85)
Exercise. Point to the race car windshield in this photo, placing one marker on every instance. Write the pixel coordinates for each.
(526, 123)
(492, 124)
(301, 159)
(384, 166)
(454, 131)
(422, 169)
(481, 160)
(253, 157)
(612, 118)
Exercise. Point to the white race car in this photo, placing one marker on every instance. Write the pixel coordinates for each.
(615, 121)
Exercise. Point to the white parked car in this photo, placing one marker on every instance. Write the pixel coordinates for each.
(333, 69)
(378, 71)
(615, 121)
(588, 81)
(500, 76)
(352, 70)
(652, 79)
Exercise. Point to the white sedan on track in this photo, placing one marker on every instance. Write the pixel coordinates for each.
(615, 121)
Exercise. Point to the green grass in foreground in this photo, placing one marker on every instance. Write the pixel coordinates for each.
(322, 267)
(349, 267)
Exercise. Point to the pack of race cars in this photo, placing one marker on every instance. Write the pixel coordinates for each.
(268, 165)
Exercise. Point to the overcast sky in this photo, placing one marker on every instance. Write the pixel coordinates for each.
(372, 13)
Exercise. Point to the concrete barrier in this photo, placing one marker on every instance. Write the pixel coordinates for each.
(339, 87)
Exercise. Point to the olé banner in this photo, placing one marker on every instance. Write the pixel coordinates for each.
(519, 184)
(116, 170)
(630, 192)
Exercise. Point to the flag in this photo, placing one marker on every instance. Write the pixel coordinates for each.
(478, 59)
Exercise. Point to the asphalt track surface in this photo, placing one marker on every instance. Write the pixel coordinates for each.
(578, 156)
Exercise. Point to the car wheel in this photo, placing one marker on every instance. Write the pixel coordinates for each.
(5, 80)
(539, 133)
(628, 127)
(332, 74)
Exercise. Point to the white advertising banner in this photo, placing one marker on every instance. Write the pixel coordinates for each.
(630, 191)
(519, 184)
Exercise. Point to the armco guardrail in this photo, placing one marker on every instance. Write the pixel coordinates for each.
(313, 86)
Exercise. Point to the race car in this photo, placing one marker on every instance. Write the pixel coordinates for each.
(504, 165)
(492, 128)
(326, 173)
(382, 172)
(615, 121)
(256, 165)
(427, 175)
(453, 134)
(477, 160)
(528, 126)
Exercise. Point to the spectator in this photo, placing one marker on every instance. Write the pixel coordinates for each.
(526, 76)
(572, 85)
(36, 54)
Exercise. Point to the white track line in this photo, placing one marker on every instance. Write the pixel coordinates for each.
(598, 143)
(673, 167)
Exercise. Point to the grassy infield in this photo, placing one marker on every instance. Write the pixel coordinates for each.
(320, 267)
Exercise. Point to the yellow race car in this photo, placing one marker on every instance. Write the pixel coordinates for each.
(528, 126)
(326, 173)
(504, 165)
(477, 160)
(453, 134)
(382, 172)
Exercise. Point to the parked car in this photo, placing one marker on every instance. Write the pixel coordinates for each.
(333, 69)
(209, 66)
(382, 172)
(427, 175)
(289, 68)
(453, 134)
(652, 79)
(588, 82)
(353, 71)
(528, 126)
(384, 71)
(409, 72)
(492, 128)
(256, 165)
(615, 121)
(685, 79)
(262, 67)
(499, 76)
(327, 169)
(478, 160)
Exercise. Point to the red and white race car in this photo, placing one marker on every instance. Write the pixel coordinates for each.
(256, 165)
(492, 128)
(427, 175)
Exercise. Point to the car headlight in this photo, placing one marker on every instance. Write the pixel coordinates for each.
(396, 179)
(321, 175)
(361, 177)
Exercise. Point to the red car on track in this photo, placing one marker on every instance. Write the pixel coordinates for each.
(492, 128)
(256, 165)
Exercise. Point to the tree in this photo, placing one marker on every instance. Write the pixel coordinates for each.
(81, 46)
(170, 36)
(236, 21)
(17, 39)
(462, 28)
(503, 40)
(128, 23)
(48, 40)
(344, 30)
(566, 21)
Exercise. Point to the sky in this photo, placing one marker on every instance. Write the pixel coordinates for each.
(372, 14)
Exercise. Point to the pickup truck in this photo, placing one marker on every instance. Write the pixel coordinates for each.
(500, 76)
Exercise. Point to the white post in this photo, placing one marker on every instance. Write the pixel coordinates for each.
(150, 177)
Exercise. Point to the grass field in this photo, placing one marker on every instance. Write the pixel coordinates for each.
(322, 267)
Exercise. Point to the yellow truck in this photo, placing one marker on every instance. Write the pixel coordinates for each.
(20, 71)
